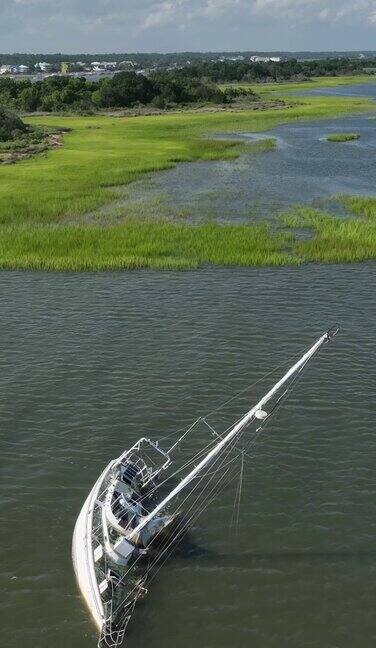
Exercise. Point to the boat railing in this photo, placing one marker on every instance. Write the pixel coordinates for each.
(113, 629)
(151, 473)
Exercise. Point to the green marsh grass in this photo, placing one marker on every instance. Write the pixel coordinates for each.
(158, 245)
(336, 239)
(343, 137)
(43, 200)
(262, 145)
(78, 177)
(360, 206)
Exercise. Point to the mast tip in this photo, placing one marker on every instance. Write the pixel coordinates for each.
(332, 332)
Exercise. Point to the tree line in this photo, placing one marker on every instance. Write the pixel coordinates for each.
(153, 59)
(193, 83)
(123, 90)
(261, 72)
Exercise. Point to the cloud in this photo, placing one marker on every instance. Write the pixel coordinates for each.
(129, 25)
(161, 14)
(324, 9)
(181, 12)
(214, 8)
(26, 2)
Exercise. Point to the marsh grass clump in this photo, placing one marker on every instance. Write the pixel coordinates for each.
(262, 145)
(343, 137)
(158, 245)
(336, 239)
(360, 205)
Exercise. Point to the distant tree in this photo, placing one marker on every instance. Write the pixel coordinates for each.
(29, 98)
(52, 102)
(11, 126)
(124, 90)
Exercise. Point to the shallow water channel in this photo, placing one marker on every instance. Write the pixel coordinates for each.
(304, 169)
(91, 362)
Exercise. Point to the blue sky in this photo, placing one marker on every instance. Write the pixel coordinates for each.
(179, 25)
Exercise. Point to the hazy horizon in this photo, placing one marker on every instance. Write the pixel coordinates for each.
(184, 51)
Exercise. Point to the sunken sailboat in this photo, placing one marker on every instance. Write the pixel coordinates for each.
(129, 522)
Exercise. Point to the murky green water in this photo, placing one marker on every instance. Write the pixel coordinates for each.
(91, 362)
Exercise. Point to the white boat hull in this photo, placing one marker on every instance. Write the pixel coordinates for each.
(82, 555)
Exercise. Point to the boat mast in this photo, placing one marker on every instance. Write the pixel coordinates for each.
(232, 433)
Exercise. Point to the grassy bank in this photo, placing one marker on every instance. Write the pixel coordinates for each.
(42, 200)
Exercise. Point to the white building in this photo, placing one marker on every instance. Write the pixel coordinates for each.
(128, 63)
(23, 69)
(44, 67)
(7, 69)
(265, 59)
(104, 65)
(229, 58)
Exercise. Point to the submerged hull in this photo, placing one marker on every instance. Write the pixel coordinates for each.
(83, 557)
(108, 567)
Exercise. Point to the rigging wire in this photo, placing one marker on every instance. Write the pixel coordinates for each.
(185, 499)
(233, 445)
(183, 524)
(195, 515)
(253, 442)
(203, 419)
(206, 493)
(242, 391)
(237, 500)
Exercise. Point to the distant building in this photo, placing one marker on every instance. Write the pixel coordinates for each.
(236, 58)
(104, 65)
(127, 64)
(7, 69)
(265, 59)
(23, 69)
(230, 58)
(44, 67)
